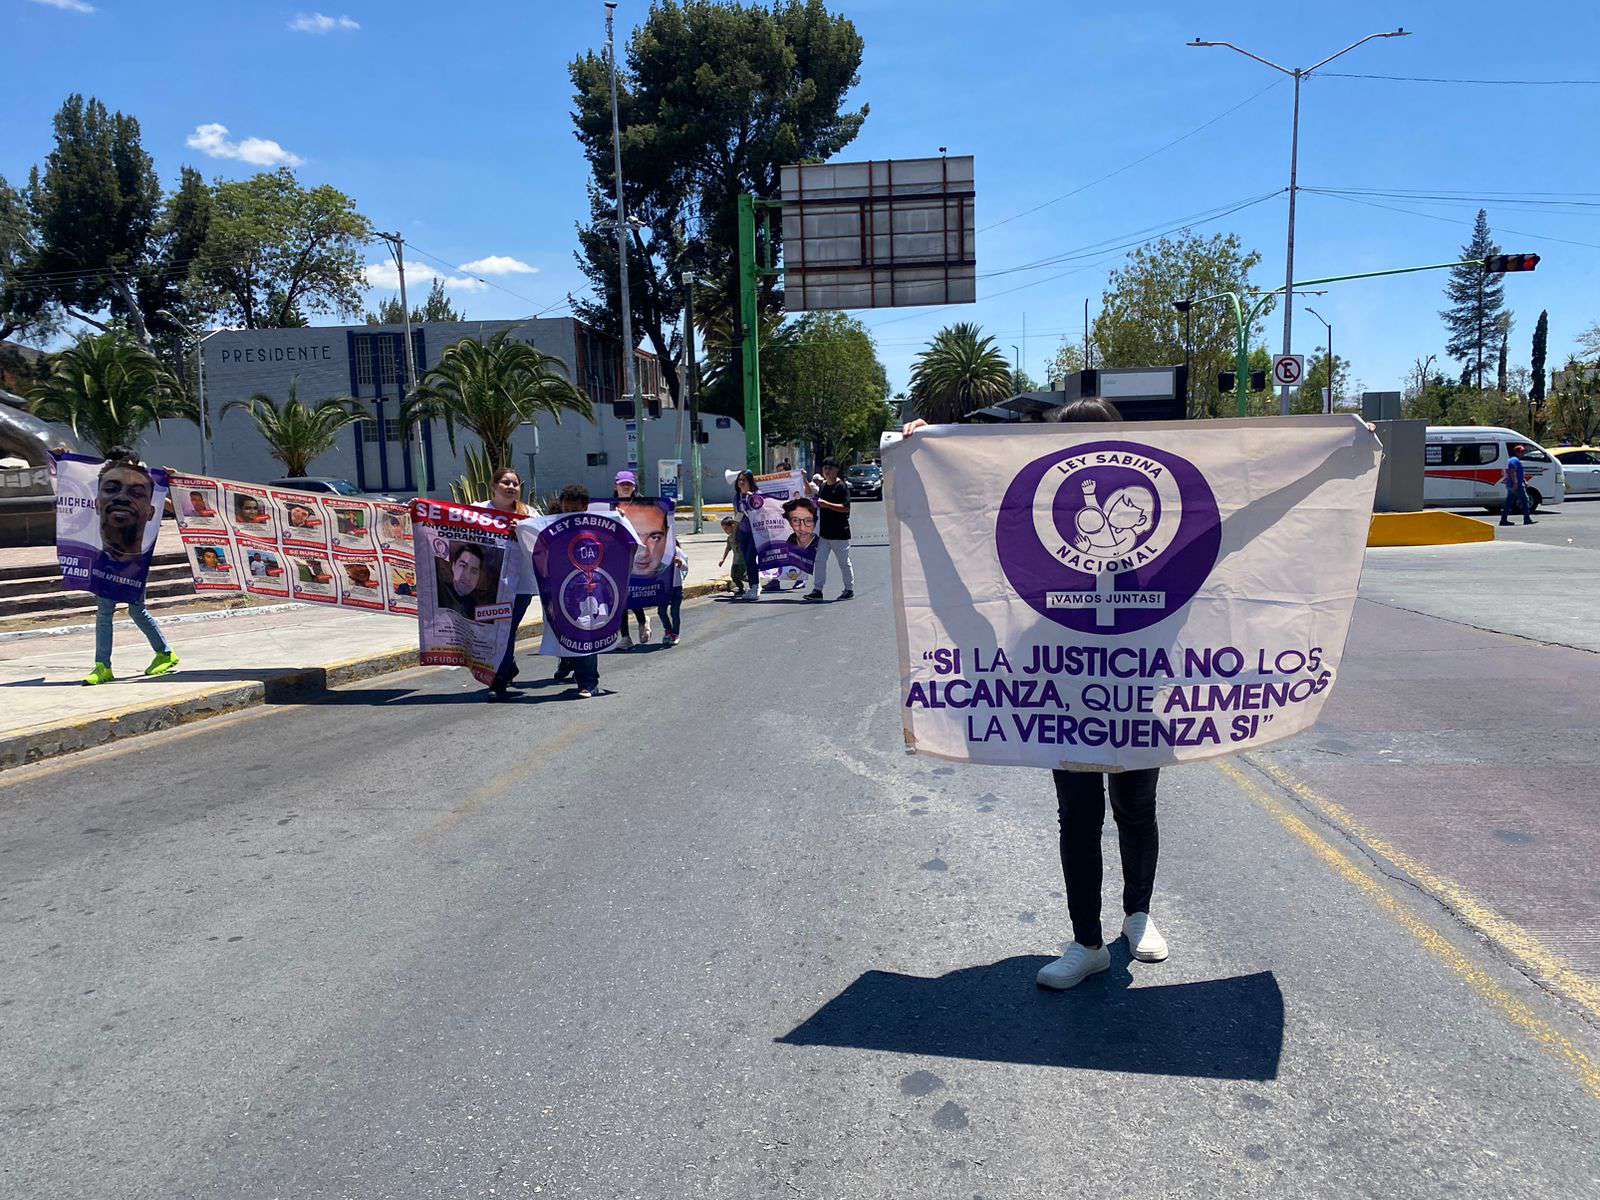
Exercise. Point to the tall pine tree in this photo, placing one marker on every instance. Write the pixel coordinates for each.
(1541, 342)
(1476, 301)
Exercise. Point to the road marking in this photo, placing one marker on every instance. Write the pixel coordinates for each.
(1549, 1038)
(1539, 958)
(505, 779)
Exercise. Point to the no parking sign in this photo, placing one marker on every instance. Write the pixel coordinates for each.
(1288, 369)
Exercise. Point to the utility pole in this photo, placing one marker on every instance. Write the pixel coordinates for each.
(1333, 363)
(691, 372)
(1186, 307)
(1298, 74)
(199, 384)
(1088, 357)
(630, 373)
(397, 251)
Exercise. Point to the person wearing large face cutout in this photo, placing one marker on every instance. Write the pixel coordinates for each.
(125, 502)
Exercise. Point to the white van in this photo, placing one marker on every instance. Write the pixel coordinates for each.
(1465, 467)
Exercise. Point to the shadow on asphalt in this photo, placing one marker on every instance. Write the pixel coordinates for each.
(1217, 1029)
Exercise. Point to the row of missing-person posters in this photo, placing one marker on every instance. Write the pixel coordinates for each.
(1102, 597)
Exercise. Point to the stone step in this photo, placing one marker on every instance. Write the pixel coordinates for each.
(44, 582)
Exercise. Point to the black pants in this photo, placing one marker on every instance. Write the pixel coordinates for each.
(671, 614)
(1081, 806)
(508, 662)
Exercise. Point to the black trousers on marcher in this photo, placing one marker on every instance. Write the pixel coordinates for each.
(1081, 807)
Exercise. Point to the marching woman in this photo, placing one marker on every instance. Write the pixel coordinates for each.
(626, 487)
(745, 498)
(506, 498)
(1081, 811)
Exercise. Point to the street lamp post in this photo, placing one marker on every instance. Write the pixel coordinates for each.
(1298, 74)
(199, 386)
(630, 372)
(1186, 307)
(1333, 363)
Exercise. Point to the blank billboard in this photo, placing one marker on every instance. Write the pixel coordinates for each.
(879, 234)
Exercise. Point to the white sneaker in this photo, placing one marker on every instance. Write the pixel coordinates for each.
(626, 643)
(1144, 940)
(754, 594)
(649, 632)
(1073, 967)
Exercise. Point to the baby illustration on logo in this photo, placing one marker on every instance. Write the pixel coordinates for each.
(1115, 529)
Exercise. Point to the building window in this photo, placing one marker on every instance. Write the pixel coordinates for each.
(392, 430)
(363, 359)
(598, 460)
(386, 357)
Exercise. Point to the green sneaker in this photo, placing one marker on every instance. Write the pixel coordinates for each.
(100, 674)
(162, 664)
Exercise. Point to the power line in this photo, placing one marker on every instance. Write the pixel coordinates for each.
(1543, 237)
(1129, 166)
(1479, 82)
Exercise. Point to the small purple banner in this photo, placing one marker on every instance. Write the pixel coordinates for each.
(107, 519)
(582, 561)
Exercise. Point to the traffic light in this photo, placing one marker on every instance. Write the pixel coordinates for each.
(652, 407)
(623, 410)
(702, 436)
(1226, 381)
(1258, 381)
(1499, 264)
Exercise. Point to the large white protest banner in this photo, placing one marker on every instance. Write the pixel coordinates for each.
(1118, 596)
(285, 544)
(464, 591)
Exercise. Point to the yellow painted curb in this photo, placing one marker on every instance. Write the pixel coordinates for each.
(1426, 529)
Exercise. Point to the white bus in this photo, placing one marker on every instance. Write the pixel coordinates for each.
(1465, 467)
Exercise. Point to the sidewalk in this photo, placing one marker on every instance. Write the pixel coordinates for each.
(230, 660)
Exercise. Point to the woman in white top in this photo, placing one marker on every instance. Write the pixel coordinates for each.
(506, 498)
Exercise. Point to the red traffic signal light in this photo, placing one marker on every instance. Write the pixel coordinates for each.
(1499, 264)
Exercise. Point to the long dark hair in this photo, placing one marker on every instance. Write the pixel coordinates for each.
(1089, 408)
(749, 477)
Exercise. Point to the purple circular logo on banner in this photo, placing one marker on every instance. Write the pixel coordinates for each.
(1108, 537)
(588, 598)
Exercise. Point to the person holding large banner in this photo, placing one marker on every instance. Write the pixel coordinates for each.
(582, 559)
(464, 595)
(108, 514)
(747, 500)
(506, 499)
(1155, 594)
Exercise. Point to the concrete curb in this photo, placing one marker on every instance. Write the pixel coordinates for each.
(1426, 529)
(289, 686)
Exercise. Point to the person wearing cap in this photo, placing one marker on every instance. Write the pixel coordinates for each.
(626, 488)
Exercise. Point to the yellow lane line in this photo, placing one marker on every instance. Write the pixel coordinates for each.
(516, 773)
(1551, 967)
(1549, 1038)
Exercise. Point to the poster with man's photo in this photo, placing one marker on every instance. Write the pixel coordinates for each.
(360, 579)
(300, 517)
(197, 503)
(311, 577)
(249, 511)
(464, 594)
(107, 518)
(650, 580)
(393, 529)
(351, 524)
(212, 562)
(784, 523)
(263, 569)
(582, 562)
(400, 583)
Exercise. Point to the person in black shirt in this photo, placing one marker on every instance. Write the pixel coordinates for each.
(833, 533)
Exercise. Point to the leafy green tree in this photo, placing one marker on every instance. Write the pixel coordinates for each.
(94, 207)
(1021, 382)
(1138, 327)
(1541, 347)
(491, 387)
(961, 370)
(830, 390)
(24, 313)
(297, 433)
(1067, 360)
(1309, 398)
(437, 307)
(1574, 403)
(110, 390)
(714, 97)
(277, 253)
(1476, 301)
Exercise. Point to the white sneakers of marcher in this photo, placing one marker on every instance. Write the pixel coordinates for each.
(1073, 967)
(1144, 940)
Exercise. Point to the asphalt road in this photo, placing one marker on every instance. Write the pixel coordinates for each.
(717, 935)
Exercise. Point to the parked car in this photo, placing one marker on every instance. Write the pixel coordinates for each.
(865, 479)
(1581, 465)
(335, 487)
(1465, 465)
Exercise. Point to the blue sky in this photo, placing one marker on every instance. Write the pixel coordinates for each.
(456, 132)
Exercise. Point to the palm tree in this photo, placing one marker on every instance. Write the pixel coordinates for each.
(491, 388)
(297, 433)
(959, 371)
(110, 389)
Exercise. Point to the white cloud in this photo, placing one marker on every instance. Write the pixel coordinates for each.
(418, 275)
(499, 264)
(318, 23)
(213, 139)
(77, 6)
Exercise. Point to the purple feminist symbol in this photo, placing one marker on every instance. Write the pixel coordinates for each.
(1108, 537)
(586, 553)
